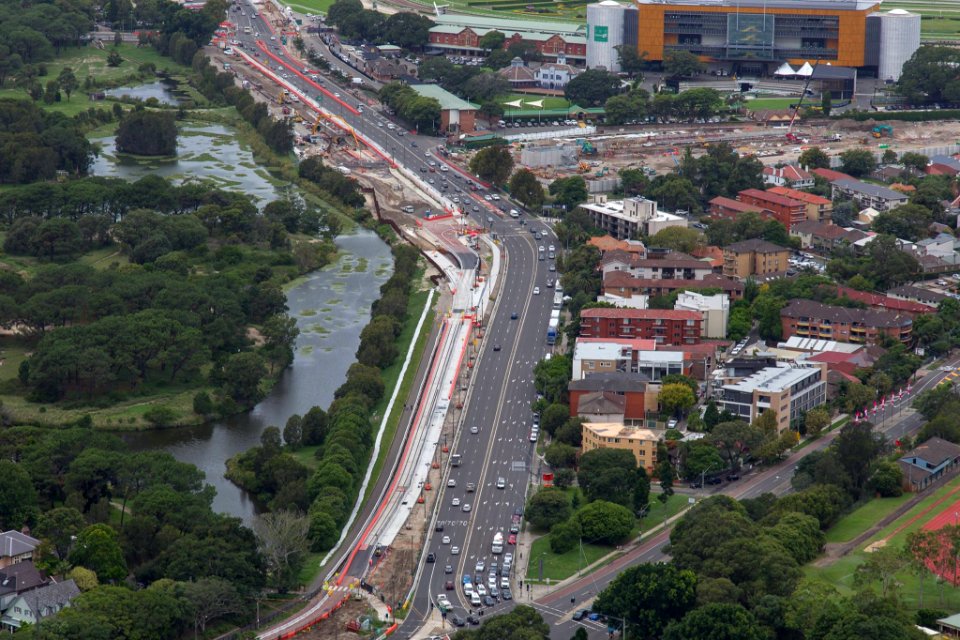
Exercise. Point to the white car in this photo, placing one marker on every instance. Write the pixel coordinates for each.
(454, 551)
(480, 566)
(456, 502)
(451, 483)
(507, 557)
(481, 590)
(536, 291)
(466, 507)
(445, 540)
(504, 582)
(442, 601)
(492, 580)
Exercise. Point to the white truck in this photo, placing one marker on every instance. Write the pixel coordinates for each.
(497, 546)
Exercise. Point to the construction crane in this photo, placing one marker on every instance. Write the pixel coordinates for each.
(806, 85)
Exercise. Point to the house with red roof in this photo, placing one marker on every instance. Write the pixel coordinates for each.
(787, 211)
(830, 175)
(886, 303)
(818, 207)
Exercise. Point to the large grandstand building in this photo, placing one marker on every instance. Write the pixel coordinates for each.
(754, 37)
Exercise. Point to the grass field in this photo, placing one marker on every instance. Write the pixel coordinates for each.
(863, 518)
(311, 6)
(91, 61)
(561, 566)
(549, 102)
(841, 572)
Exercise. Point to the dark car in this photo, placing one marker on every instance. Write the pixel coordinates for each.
(439, 527)
(431, 557)
(696, 485)
(581, 614)
(457, 620)
(513, 316)
(473, 619)
(496, 347)
(448, 569)
(733, 477)
(518, 511)
(506, 594)
(515, 528)
(488, 601)
(448, 585)
(714, 480)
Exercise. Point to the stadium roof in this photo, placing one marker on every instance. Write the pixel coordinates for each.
(509, 24)
(822, 5)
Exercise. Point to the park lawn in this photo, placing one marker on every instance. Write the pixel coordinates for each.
(12, 353)
(311, 6)
(862, 518)
(561, 566)
(770, 103)
(557, 567)
(91, 61)
(658, 513)
(102, 258)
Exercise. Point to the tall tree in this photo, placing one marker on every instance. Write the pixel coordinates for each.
(649, 597)
(493, 164)
(526, 188)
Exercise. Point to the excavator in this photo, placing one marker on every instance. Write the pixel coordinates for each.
(882, 131)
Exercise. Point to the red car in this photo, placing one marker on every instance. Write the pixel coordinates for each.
(512, 539)
(448, 585)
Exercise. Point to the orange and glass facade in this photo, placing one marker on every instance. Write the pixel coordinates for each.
(798, 31)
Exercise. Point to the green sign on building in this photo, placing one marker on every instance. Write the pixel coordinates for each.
(601, 34)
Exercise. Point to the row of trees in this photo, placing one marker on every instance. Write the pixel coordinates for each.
(35, 33)
(403, 29)
(688, 105)
(420, 111)
(343, 434)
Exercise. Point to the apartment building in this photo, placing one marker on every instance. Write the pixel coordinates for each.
(614, 396)
(630, 218)
(818, 207)
(868, 195)
(787, 176)
(754, 257)
(787, 210)
(810, 319)
(624, 285)
(661, 326)
(788, 391)
(642, 443)
(715, 311)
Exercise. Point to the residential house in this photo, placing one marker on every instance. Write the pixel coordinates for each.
(456, 114)
(754, 257)
(623, 284)
(868, 195)
(34, 605)
(16, 579)
(810, 319)
(787, 211)
(830, 175)
(642, 443)
(604, 355)
(938, 169)
(787, 176)
(824, 237)
(613, 396)
(788, 391)
(630, 218)
(949, 161)
(609, 243)
(917, 294)
(818, 208)
(941, 246)
(711, 255)
(665, 265)
(662, 326)
(903, 188)
(16, 547)
(926, 463)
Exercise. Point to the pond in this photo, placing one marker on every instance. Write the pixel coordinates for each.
(204, 151)
(164, 92)
(331, 307)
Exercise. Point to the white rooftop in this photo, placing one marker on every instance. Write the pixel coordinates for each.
(772, 379)
(796, 343)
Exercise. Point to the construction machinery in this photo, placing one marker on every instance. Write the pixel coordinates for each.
(586, 148)
(583, 167)
(602, 172)
(882, 131)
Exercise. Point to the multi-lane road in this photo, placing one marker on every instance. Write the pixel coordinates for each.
(493, 441)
